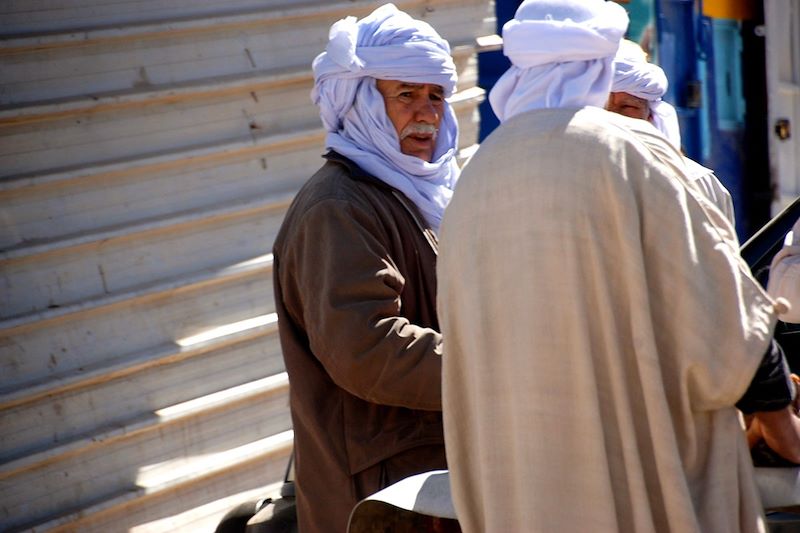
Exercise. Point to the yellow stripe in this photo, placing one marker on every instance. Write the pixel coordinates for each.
(729, 9)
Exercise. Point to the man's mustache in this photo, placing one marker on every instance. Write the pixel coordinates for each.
(419, 128)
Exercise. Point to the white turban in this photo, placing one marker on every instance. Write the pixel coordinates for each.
(561, 54)
(665, 119)
(634, 75)
(387, 44)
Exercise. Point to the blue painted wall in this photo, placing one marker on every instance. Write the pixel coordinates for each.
(492, 65)
(720, 98)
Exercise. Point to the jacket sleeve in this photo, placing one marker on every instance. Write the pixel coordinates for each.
(345, 291)
(771, 388)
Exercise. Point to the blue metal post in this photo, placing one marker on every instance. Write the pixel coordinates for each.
(492, 65)
(677, 54)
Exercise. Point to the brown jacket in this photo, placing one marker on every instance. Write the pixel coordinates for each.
(355, 292)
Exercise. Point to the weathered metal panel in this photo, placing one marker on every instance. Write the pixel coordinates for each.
(32, 16)
(140, 57)
(103, 137)
(43, 350)
(110, 259)
(117, 194)
(191, 506)
(139, 386)
(97, 194)
(71, 272)
(146, 453)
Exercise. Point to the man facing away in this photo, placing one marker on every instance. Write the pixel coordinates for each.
(599, 324)
(636, 92)
(355, 260)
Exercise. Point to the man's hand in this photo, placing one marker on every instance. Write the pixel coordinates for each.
(780, 429)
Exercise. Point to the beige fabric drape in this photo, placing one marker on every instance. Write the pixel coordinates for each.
(598, 328)
(714, 190)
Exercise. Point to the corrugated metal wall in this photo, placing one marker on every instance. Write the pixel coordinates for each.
(148, 150)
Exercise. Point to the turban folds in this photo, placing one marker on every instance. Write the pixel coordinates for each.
(634, 75)
(561, 53)
(387, 44)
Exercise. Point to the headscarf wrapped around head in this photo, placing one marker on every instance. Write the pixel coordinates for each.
(388, 44)
(634, 75)
(561, 54)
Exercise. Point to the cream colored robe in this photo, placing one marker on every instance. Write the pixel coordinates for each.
(598, 327)
(714, 190)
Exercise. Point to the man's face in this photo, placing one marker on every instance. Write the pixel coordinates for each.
(628, 105)
(416, 110)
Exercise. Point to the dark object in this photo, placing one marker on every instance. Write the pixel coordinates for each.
(772, 388)
(761, 247)
(786, 520)
(267, 515)
(236, 519)
(694, 94)
(275, 516)
(783, 129)
(788, 336)
(395, 520)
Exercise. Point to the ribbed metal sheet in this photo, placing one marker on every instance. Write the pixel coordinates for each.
(148, 151)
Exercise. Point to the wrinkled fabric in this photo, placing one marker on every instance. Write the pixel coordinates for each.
(634, 75)
(387, 44)
(575, 72)
(713, 189)
(665, 119)
(701, 181)
(599, 326)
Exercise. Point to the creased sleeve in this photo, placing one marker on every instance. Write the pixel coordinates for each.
(351, 292)
(710, 309)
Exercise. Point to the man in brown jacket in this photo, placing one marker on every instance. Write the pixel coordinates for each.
(355, 264)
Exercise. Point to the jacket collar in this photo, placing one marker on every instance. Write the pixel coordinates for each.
(356, 172)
